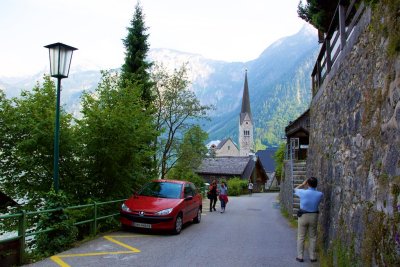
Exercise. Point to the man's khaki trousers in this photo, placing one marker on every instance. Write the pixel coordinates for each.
(307, 221)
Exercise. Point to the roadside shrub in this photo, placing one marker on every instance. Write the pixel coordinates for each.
(236, 186)
(64, 233)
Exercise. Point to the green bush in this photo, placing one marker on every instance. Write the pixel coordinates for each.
(236, 186)
(64, 233)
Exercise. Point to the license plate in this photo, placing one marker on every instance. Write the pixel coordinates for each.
(142, 225)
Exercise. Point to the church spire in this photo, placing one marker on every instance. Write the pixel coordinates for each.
(246, 126)
(245, 100)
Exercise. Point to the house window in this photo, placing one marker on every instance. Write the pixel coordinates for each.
(229, 147)
(246, 133)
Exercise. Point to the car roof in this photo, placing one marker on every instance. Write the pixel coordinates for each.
(170, 181)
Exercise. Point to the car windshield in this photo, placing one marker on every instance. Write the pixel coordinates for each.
(163, 190)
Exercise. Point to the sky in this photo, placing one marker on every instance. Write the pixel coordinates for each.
(228, 30)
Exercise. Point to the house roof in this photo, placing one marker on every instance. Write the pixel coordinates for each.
(301, 123)
(266, 158)
(6, 201)
(225, 165)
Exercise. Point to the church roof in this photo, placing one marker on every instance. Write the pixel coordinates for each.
(223, 142)
(245, 101)
(213, 143)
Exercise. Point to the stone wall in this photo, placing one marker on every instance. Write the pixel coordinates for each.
(286, 189)
(355, 150)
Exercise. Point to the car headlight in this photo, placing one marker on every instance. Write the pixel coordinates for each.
(125, 208)
(164, 212)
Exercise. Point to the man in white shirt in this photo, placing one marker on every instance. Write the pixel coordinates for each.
(250, 187)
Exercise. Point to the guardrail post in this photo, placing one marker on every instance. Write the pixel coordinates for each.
(342, 26)
(22, 235)
(94, 231)
(328, 55)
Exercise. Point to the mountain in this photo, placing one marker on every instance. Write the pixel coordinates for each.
(279, 85)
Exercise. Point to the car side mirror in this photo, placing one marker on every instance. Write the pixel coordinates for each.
(188, 198)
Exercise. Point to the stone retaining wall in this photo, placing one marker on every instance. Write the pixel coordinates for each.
(286, 192)
(355, 149)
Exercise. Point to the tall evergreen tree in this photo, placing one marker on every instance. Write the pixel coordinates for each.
(136, 68)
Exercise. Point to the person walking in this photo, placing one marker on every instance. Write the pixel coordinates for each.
(223, 196)
(307, 217)
(250, 187)
(213, 194)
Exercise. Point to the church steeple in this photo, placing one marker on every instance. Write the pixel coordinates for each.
(246, 139)
(245, 101)
(246, 97)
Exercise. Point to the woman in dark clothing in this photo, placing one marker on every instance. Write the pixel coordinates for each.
(213, 195)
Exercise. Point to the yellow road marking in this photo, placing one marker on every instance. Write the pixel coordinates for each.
(95, 254)
(60, 262)
(109, 238)
(125, 236)
(57, 259)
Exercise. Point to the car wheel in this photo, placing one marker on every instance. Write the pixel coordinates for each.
(197, 219)
(178, 225)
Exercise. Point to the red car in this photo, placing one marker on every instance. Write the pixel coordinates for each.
(162, 205)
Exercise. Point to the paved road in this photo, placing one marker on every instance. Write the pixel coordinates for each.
(251, 232)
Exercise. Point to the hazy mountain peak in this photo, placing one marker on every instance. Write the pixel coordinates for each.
(198, 67)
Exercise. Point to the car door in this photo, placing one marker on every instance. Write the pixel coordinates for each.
(190, 209)
(196, 195)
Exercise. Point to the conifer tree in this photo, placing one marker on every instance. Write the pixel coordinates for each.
(136, 68)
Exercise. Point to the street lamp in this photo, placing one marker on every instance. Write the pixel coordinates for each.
(60, 60)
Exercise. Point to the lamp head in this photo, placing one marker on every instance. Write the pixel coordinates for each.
(60, 56)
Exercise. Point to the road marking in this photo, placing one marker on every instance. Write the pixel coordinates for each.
(57, 259)
(60, 262)
(110, 238)
(94, 254)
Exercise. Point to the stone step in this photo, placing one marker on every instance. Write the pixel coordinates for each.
(299, 165)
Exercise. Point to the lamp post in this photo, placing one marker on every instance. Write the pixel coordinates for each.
(60, 56)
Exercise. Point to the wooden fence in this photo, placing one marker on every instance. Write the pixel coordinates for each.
(342, 26)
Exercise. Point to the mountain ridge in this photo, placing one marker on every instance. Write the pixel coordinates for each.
(279, 76)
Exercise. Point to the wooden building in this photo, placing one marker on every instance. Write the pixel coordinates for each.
(225, 168)
(297, 133)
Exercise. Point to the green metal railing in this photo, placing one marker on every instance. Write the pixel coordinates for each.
(24, 215)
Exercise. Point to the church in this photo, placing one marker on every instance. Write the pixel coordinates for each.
(227, 147)
(227, 159)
